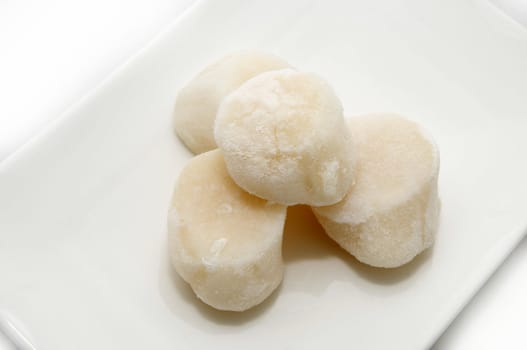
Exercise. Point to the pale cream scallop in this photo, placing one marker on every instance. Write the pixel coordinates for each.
(285, 139)
(197, 103)
(391, 213)
(223, 241)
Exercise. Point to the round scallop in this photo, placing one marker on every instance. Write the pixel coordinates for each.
(223, 241)
(391, 213)
(284, 139)
(197, 103)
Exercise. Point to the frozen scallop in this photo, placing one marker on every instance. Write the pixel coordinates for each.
(285, 139)
(197, 103)
(223, 241)
(391, 213)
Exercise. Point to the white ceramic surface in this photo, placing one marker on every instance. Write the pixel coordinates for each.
(52, 52)
(83, 206)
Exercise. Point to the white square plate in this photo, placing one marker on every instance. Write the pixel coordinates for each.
(83, 207)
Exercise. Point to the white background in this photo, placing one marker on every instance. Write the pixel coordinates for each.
(53, 52)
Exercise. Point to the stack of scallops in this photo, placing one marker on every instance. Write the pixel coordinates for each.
(269, 136)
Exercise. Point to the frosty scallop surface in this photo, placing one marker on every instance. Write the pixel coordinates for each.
(223, 241)
(391, 213)
(197, 102)
(284, 139)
